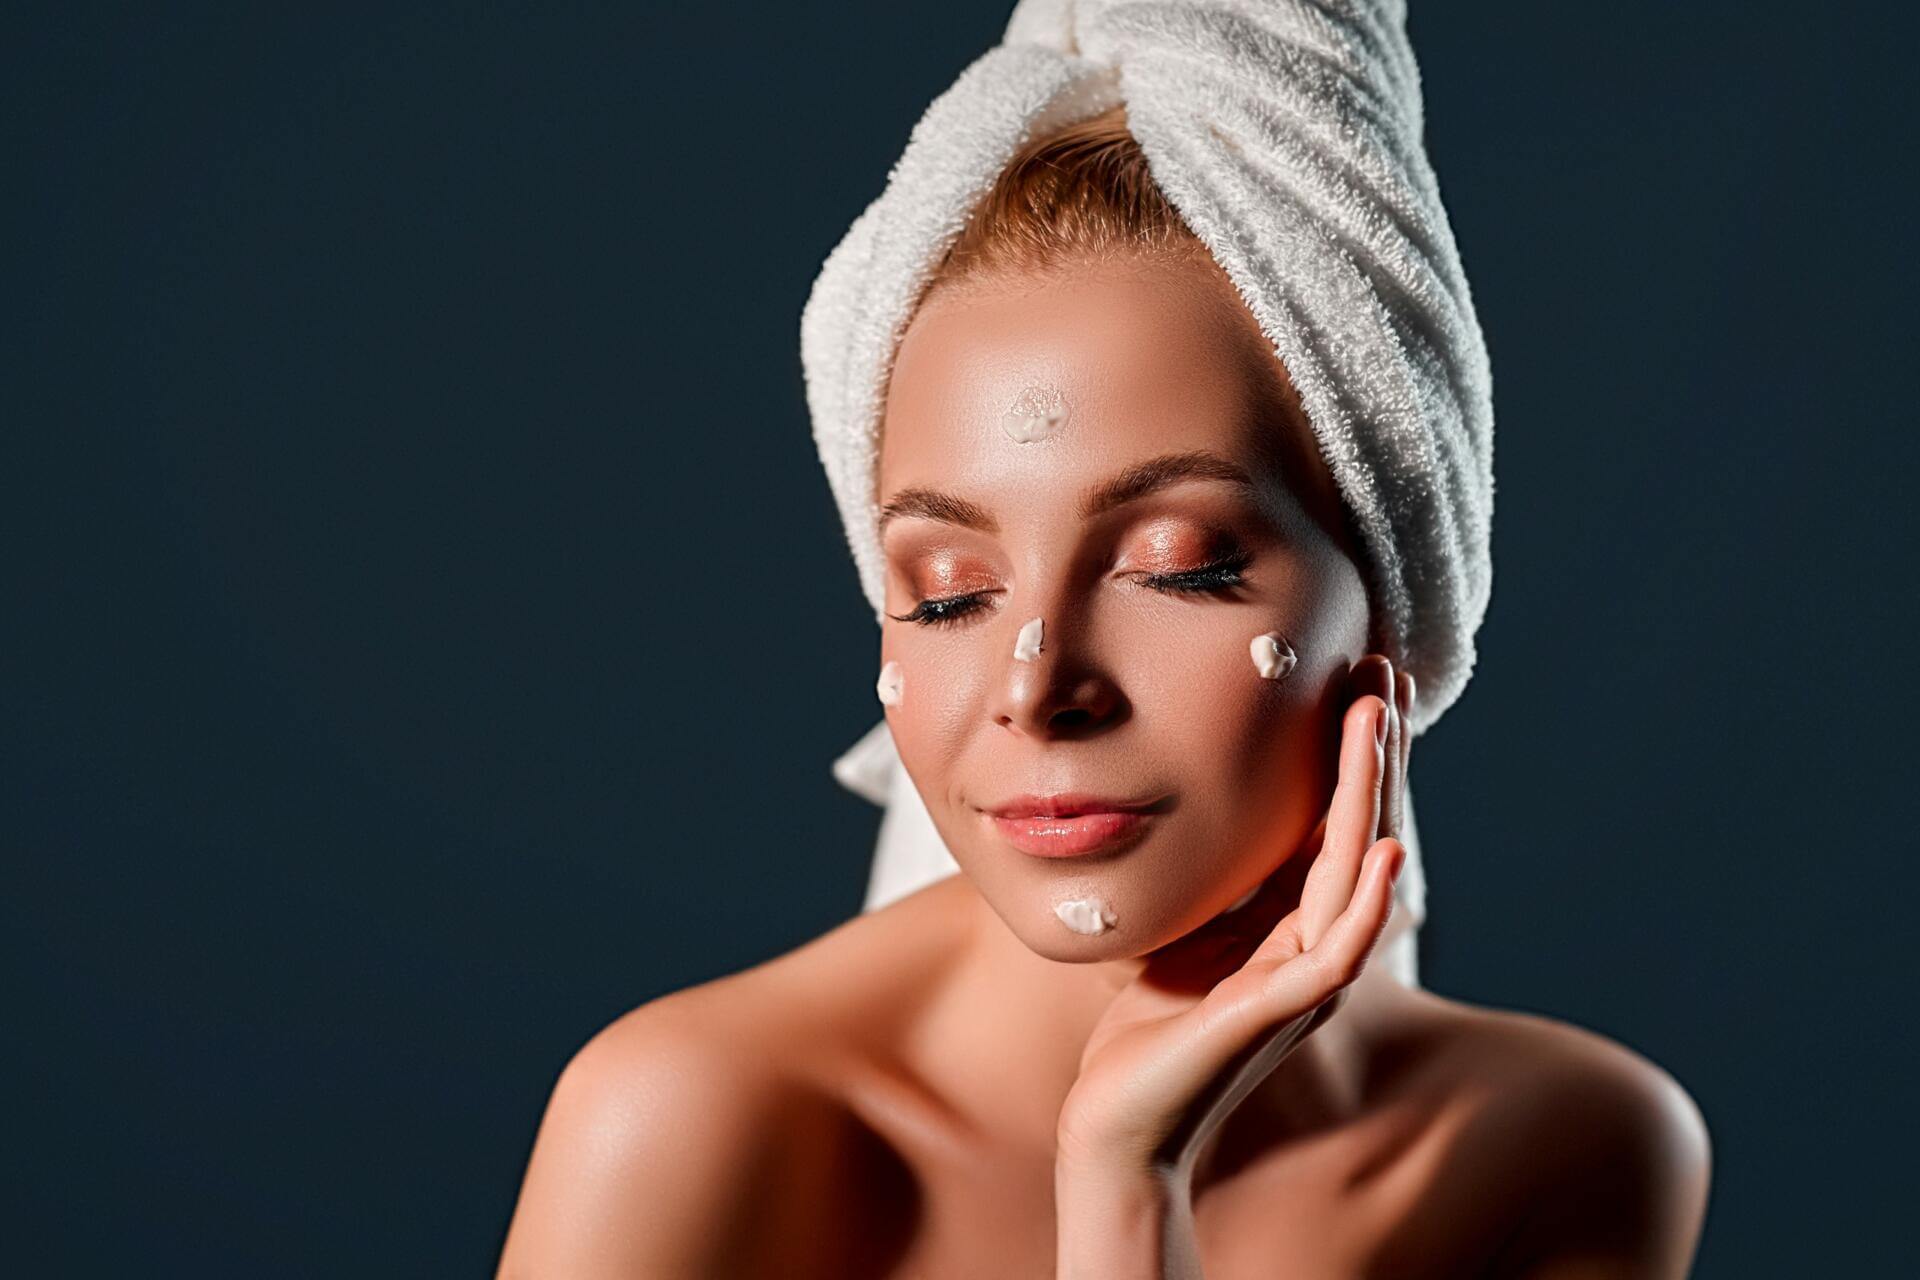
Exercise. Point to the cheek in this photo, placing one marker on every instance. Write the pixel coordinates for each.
(1237, 741)
(1259, 754)
(1250, 754)
(942, 684)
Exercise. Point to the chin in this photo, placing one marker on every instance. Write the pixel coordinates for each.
(1030, 915)
(1146, 898)
(1067, 948)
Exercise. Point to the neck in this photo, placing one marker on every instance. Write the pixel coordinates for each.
(1041, 1013)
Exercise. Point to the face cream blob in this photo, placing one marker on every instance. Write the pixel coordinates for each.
(1036, 415)
(1085, 915)
(1026, 645)
(890, 684)
(1272, 655)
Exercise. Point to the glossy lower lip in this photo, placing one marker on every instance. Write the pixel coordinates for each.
(1070, 837)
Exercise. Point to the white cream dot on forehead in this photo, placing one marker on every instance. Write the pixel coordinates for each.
(1026, 646)
(1273, 657)
(1085, 915)
(1037, 414)
(890, 684)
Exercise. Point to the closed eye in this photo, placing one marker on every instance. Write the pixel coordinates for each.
(943, 612)
(1222, 574)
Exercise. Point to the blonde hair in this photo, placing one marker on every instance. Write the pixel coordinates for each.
(1081, 193)
(1085, 194)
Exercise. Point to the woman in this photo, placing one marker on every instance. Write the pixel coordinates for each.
(1161, 615)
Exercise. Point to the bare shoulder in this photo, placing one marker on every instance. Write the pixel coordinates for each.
(1608, 1154)
(697, 1112)
(654, 1139)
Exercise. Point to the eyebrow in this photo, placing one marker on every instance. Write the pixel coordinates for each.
(1130, 485)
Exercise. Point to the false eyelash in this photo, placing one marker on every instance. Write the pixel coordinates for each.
(1218, 576)
(942, 613)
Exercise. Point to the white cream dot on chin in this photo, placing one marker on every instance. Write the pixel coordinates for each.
(1273, 657)
(1244, 899)
(890, 685)
(1085, 915)
(1026, 646)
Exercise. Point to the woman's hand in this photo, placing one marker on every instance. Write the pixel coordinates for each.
(1214, 1012)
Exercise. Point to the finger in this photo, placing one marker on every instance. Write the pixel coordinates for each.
(1304, 983)
(1352, 818)
(1392, 755)
(1353, 806)
(1403, 703)
(1270, 993)
(1316, 839)
(1344, 951)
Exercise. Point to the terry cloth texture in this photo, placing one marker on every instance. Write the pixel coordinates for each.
(1288, 134)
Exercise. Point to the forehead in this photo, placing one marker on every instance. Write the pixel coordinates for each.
(1146, 358)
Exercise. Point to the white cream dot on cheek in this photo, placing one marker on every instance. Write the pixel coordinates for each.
(1273, 657)
(1026, 646)
(890, 685)
(1085, 915)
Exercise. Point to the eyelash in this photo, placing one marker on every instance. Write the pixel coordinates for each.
(1220, 575)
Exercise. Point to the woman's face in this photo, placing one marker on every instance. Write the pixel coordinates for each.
(1174, 512)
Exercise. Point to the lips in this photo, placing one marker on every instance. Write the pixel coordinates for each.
(1071, 825)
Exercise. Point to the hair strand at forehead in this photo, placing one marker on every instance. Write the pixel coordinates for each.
(1081, 193)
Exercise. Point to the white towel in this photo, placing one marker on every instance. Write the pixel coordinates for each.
(1288, 135)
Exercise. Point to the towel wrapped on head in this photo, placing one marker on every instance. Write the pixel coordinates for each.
(1288, 136)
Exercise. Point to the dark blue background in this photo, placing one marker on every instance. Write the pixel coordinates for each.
(427, 627)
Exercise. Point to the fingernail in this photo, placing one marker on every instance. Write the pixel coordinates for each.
(1380, 725)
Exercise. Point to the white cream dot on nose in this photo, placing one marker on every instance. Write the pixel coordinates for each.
(1026, 646)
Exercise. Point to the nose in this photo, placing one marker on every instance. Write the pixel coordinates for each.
(1058, 693)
